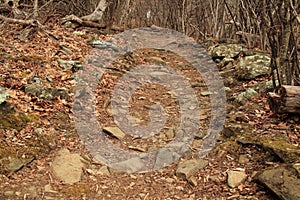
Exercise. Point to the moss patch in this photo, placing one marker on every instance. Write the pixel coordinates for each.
(10, 118)
(76, 190)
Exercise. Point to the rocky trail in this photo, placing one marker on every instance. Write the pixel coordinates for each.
(257, 155)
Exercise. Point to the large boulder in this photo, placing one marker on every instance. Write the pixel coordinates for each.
(283, 181)
(253, 66)
(225, 50)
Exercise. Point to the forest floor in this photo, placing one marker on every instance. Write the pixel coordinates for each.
(34, 60)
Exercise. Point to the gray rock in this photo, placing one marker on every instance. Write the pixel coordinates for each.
(103, 171)
(70, 65)
(165, 156)
(264, 86)
(101, 44)
(132, 165)
(251, 67)
(115, 131)
(67, 166)
(235, 178)
(188, 168)
(244, 97)
(16, 164)
(283, 181)
(3, 95)
(46, 93)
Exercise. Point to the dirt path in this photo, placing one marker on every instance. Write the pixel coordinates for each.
(49, 127)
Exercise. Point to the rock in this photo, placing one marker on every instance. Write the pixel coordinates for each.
(264, 86)
(225, 62)
(243, 159)
(170, 134)
(132, 165)
(70, 65)
(82, 33)
(16, 164)
(115, 131)
(234, 129)
(244, 97)
(285, 151)
(3, 95)
(192, 180)
(283, 181)
(165, 156)
(103, 171)
(188, 168)
(205, 93)
(46, 93)
(251, 67)
(32, 192)
(9, 193)
(235, 178)
(67, 166)
(225, 50)
(49, 189)
(101, 44)
(296, 166)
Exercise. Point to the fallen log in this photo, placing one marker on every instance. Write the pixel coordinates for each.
(287, 100)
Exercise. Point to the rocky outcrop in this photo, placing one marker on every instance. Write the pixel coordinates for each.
(283, 181)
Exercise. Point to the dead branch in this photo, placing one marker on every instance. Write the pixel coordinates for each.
(30, 22)
(80, 21)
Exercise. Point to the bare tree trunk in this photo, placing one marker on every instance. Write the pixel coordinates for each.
(96, 16)
(35, 9)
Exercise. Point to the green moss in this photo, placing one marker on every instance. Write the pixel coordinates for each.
(10, 118)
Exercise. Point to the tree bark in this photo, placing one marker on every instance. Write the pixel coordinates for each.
(286, 101)
(96, 16)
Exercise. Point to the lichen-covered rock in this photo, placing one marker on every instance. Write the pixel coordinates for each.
(244, 97)
(225, 50)
(46, 93)
(3, 95)
(251, 67)
(264, 86)
(70, 65)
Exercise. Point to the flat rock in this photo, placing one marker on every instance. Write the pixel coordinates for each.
(115, 131)
(103, 171)
(235, 178)
(67, 166)
(131, 165)
(188, 168)
(283, 181)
